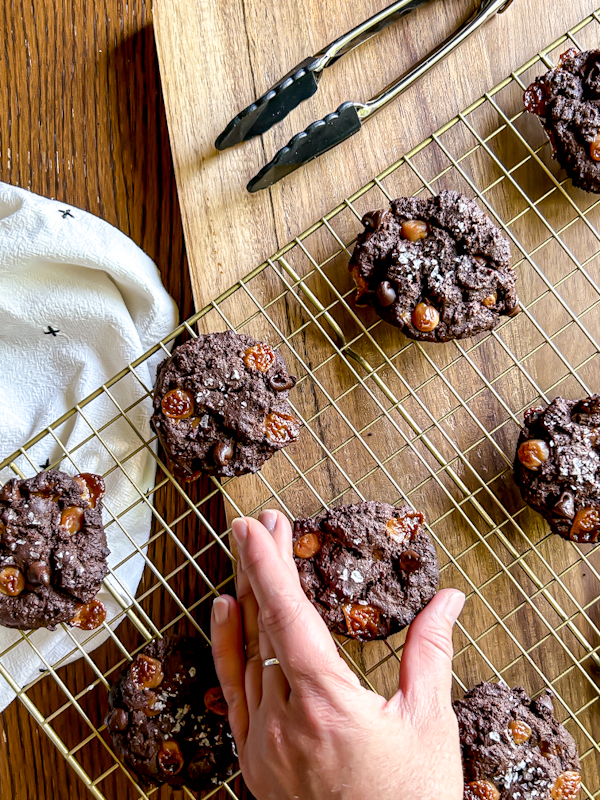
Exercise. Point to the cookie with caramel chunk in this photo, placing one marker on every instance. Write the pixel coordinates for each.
(168, 716)
(438, 268)
(368, 568)
(221, 405)
(566, 101)
(514, 748)
(557, 466)
(52, 551)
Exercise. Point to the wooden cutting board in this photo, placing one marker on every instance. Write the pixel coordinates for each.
(217, 56)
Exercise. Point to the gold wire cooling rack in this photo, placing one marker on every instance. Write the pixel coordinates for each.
(392, 419)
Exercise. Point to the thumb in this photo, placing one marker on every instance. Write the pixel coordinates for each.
(426, 665)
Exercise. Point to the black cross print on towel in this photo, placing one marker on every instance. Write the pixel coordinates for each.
(66, 213)
(52, 331)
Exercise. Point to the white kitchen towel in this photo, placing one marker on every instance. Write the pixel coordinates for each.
(78, 302)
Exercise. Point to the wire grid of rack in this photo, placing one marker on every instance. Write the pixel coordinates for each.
(392, 419)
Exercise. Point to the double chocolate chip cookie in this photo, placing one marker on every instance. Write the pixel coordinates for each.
(367, 568)
(437, 268)
(221, 405)
(52, 551)
(514, 748)
(566, 99)
(168, 717)
(557, 466)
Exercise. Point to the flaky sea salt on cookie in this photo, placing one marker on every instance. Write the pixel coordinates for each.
(557, 466)
(52, 551)
(368, 568)
(221, 405)
(514, 748)
(437, 268)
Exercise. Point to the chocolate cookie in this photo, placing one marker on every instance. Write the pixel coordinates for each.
(437, 268)
(220, 405)
(514, 747)
(367, 568)
(566, 99)
(168, 717)
(52, 551)
(557, 466)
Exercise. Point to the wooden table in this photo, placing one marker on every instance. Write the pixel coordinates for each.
(83, 121)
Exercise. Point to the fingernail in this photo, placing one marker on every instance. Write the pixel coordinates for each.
(239, 528)
(220, 610)
(454, 605)
(269, 519)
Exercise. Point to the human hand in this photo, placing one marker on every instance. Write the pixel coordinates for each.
(307, 729)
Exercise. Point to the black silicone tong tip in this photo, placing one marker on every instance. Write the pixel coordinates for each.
(317, 139)
(295, 87)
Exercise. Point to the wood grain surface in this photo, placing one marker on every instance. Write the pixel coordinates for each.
(82, 120)
(215, 59)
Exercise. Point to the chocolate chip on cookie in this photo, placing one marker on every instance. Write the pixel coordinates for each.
(52, 551)
(438, 268)
(168, 717)
(514, 748)
(367, 568)
(557, 466)
(221, 405)
(566, 101)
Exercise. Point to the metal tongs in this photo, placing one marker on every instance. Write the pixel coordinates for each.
(302, 82)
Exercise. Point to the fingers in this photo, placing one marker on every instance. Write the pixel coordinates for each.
(426, 666)
(274, 682)
(258, 646)
(299, 636)
(280, 529)
(249, 608)
(228, 655)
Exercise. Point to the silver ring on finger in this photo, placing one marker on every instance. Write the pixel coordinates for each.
(270, 662)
